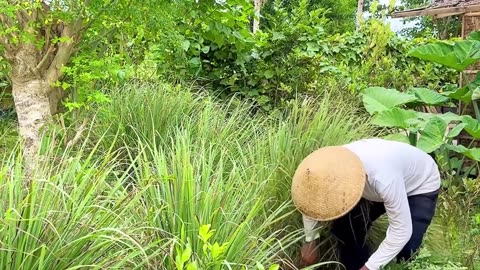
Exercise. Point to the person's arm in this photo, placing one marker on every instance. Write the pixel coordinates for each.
(310, 229)
(309, 251)
(400, 224)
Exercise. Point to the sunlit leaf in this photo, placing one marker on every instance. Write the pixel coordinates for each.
(395, 117)
(458, 56)
(378, 99)
(472, 126)
(432, 136)
(455, 131)
(399, 137)
(429, 97)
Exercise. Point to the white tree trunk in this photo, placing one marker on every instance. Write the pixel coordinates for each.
(359, 13)
(256, 20)
(33, 111)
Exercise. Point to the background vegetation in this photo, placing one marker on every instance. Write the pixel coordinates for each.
(179, 130)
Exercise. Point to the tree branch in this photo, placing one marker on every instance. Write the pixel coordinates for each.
(8, 48)
(105, 34)
(5, 20)
(23, 18)
(42, 64)
(78, 135)
(64, 51)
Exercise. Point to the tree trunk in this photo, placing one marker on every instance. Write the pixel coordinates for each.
(33, 111)
(359, 13)
(256, 19)
(31, 97)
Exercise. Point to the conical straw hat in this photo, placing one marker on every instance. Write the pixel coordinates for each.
(328, 183)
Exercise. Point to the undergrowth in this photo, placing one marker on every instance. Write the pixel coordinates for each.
(168, 179)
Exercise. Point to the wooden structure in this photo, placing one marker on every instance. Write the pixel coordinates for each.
(443, 8)
(469, 13)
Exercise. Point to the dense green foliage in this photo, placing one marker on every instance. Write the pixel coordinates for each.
(433, 132)
(173, 177)
(295, 55)
(194, 178)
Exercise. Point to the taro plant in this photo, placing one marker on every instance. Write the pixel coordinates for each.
(431, 132)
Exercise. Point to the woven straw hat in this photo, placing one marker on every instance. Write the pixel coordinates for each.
(328, 183)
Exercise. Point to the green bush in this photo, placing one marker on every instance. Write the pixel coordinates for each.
(293, 54)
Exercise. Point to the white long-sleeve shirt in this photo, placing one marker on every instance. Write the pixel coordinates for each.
(394, 171)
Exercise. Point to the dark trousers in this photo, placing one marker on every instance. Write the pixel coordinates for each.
(351, 229)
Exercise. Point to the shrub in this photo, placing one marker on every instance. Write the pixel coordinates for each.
(292, 54)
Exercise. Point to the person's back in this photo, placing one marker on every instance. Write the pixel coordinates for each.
(384, 159)
(393, 178)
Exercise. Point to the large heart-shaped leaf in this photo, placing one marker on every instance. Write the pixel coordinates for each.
(474, 36)
(473, 153)
(472, 126)
(399, 137)
(448, 117)
(378, 99)
(458, 56)
(463, 94)
(455, 131)
(395, 117)
(429, 97)
(431, 137)
(476, 93)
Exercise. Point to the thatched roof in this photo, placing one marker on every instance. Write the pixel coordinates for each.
(442, 8)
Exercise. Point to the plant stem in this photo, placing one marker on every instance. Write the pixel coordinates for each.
(475, 108)
(412, 137)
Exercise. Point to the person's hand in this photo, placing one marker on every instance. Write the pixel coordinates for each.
(309, 253)
(364, 268)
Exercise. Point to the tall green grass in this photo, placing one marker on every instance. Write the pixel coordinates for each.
(205, 163)
(74, 214)
(167, 179)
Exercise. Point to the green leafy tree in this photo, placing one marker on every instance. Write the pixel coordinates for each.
(341, 14)
(39, 38)
(442, 28)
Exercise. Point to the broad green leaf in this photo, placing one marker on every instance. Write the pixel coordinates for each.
(456, 130)
(458, 56)
(260, 266)
(463, 94)
(473, 153)
(399, 137)
(268, 74)
(447, 117)
(474, 36)
(378, 99)
(457, 148)
(187, 253)
(192, 266)
(206, 49)
(431, 137)
(474, 87)
(205, 233)
(476, 93)
(278, 36)
(475, 83)
(429, 97)
(395, 117)
(185, 45)
(274, 267)
(472, 126)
